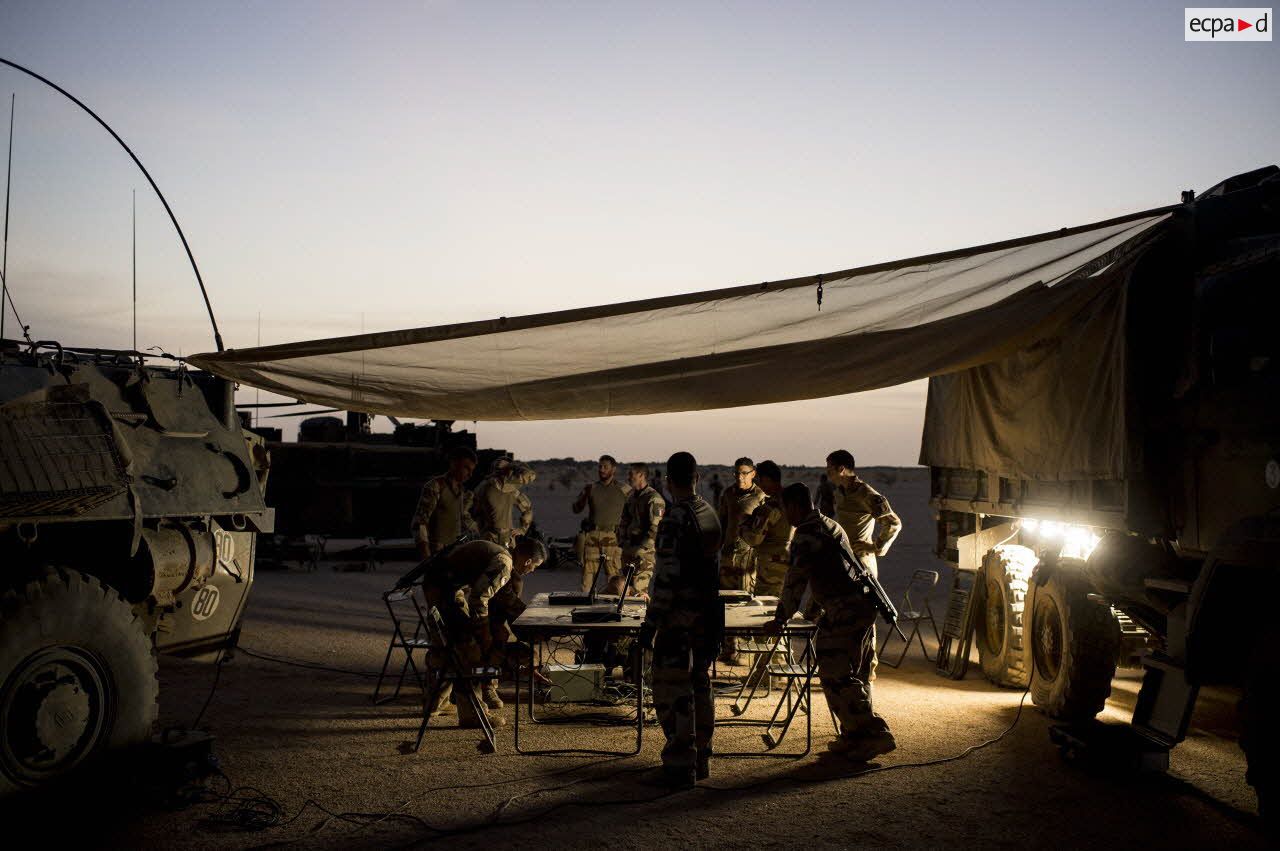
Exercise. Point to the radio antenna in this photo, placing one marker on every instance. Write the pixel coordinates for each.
(217, 336)
(135, 270)
(4, 262)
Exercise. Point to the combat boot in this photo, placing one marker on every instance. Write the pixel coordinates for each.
(490, 696)
(863, 748)
(702, 770)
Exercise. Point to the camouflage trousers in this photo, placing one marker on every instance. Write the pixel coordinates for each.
(771, 570)
(591, 545)
(682, 699)
(738, 568)
(846, 650)
(644, 572)
(461, 635)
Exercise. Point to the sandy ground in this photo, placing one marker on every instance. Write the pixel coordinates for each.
(303, 735)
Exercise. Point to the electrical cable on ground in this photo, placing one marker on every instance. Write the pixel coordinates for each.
(248, 808)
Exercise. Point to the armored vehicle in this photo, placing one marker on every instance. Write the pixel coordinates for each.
(130, 499)
(1117, 484)
(346, 481)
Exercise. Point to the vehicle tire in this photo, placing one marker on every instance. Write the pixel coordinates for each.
(1006, 570)
(77, 678)
(1072, 645)
(1259, 735)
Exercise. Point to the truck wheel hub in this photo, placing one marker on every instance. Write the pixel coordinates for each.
(1047, 639)
(53, 713)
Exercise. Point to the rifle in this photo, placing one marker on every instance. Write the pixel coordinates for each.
(415, 576)
(870, 586)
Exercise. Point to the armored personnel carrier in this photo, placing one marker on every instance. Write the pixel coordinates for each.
(130, 499)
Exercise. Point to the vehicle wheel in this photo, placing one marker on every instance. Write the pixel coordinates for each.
(77, 678)
(1072, 646)
(1259, 736)
(999, 629)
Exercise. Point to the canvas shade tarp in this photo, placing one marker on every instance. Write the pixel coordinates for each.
(878, 326)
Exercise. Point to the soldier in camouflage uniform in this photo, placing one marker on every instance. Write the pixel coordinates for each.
(687, 618)
(737, 559)
(497, 496)
(845, 643)
(768, 533)
(444, 508)
(860, 509)
(467, 585)
(604, 501)
(639, 529)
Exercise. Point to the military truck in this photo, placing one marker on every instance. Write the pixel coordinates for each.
(130, 499)
(1117, 483)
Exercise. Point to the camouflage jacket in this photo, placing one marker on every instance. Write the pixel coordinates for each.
(767, 530)
(736, 506)
(497, 497)
(641, 517)
(860, 509)
(478, 570)
(685, 594)
(818, 565)
(443, 514)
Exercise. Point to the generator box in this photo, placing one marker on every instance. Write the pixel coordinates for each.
(574, 683)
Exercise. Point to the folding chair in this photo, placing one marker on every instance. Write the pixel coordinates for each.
(398, 601)
(762, 648)
(797, 695)
(922, 583)
(454, 671)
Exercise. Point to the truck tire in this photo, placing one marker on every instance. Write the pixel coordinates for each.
(1006, 570)
(1259, 736)
(77, 678)
(1072, 646)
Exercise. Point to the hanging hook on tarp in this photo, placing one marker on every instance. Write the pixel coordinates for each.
(819, 292)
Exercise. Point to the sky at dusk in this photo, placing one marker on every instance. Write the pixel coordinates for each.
(341, 168)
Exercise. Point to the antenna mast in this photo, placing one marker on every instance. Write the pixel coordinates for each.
(4, 263)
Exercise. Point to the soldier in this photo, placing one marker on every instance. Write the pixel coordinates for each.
(462, 585)
(687, 617)
(497, 496)
(716, 489)
(737, 561)
(444, 508)
(604, 501)
(845, 644)
(639, 530)
(768, 533)
(859, 508)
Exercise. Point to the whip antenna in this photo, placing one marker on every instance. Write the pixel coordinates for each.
(217, 336)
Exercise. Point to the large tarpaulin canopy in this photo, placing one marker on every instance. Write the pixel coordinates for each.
(877, 326)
